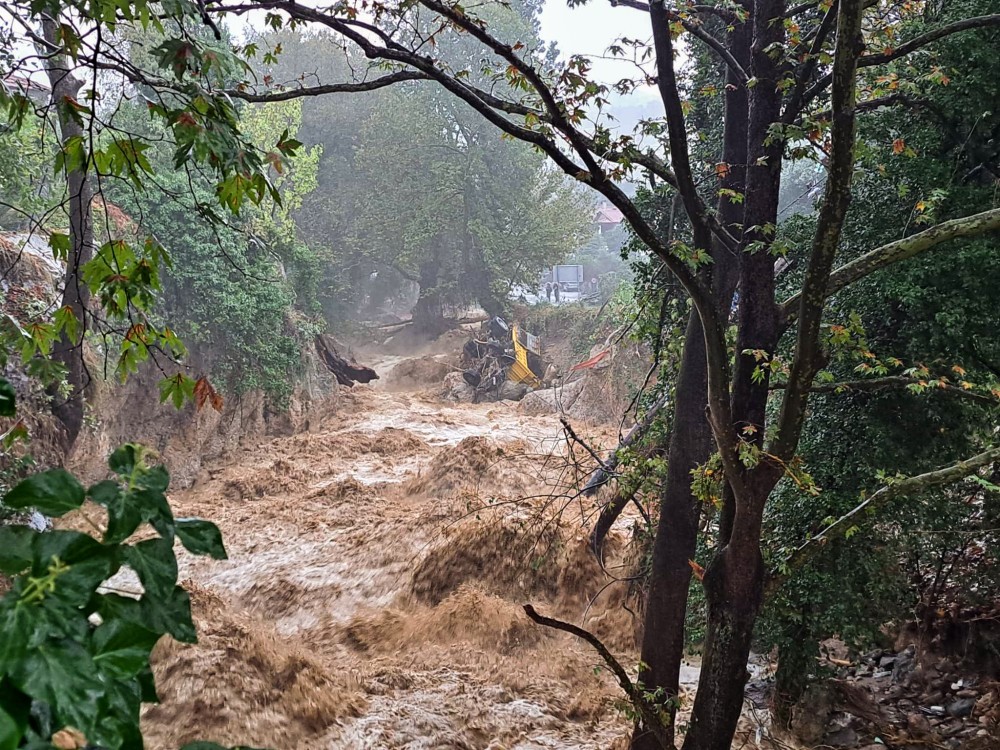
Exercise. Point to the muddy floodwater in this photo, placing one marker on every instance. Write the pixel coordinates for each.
(373, 596)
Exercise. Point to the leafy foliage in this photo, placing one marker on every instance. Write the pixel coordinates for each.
(74, 659)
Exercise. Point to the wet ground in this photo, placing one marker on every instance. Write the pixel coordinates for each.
(373, 594)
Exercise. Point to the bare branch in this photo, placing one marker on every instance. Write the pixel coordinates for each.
(893, 252)
(649, 711)
(695, 29)
(898, 488)
(896, 381)
(331, 88)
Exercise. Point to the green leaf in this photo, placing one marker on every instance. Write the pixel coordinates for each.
(170, 614)
(201, 537)
(89, 563)
(15, 708)
(121, 649)
(7, 398)
(15, 548)
(61, 674)
(155, 564)
(16, 629)
(124, 459)
(124, 516)
(54, 492)
(147, 686)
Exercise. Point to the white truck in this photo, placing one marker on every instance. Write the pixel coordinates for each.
(569, 278)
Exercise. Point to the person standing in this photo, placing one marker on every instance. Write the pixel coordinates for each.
(555, 290)
(548, 290)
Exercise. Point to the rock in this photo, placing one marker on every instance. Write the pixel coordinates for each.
(932, 699)
(511, 391)
(456, 389)
(886, 662)
(905, 664)
(945, 666)
(551, 400)
(918, 725)
(966, 694)
(873, 746)
(809, 722)
(962, 707)
(843, 737)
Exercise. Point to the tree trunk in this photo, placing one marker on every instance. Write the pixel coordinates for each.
(691, 441)
(734, 589)
(76, 295)
(676, 532)
(428, 313)
(734, 579)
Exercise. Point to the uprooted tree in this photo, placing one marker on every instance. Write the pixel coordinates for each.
(797, 79)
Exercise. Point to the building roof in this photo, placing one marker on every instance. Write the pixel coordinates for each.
(27, 83)
(608, 215)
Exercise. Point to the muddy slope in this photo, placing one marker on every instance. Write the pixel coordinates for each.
(372, 596)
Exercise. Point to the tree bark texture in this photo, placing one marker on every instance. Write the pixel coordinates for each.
(76, 294)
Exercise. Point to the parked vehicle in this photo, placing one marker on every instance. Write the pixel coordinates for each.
(569, 278)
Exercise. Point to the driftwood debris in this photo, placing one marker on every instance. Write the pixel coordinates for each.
(347, 371)
(606, 472)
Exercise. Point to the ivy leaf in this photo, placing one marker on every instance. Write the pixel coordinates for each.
(121, 649)
(201, 537)
(62, 674)
(15, 548)
(54, 492)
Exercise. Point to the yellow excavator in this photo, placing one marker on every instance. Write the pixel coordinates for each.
(502, 352)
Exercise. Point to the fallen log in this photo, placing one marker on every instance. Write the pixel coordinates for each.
(347, 371)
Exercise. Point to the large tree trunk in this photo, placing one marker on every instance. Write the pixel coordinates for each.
(676, 532)
(691, 440)
(734, 579)
(76, 294)
(428, 313)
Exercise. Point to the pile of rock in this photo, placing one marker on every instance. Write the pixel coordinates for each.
(893, 699)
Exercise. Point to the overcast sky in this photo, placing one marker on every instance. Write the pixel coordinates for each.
(590, 29)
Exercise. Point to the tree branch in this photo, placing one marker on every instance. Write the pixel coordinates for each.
(837, 197)
(868, 61)
(331, 88)
(696, 30)
(893, 252)
(895, 381)
(649, 711)
(937, 478)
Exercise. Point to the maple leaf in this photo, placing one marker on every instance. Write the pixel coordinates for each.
(699, 572)
(898, 146)
(204, 392)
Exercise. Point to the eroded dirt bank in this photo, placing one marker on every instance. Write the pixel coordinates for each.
(372, 596)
